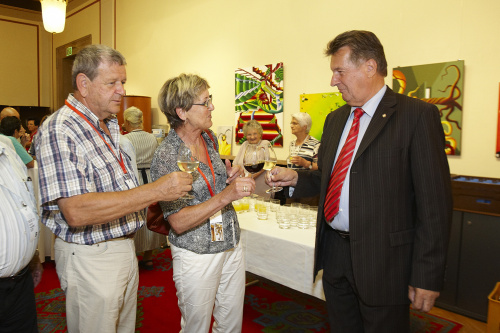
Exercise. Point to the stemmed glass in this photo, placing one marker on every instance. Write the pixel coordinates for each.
(253, 160)
(294, 151)
(187, 162)
(269, 163)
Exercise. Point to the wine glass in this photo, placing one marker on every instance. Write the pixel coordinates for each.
(187, 162)
(269, 163)
(294, 151)
(253, 160)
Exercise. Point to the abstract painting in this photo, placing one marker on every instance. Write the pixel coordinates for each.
(318, 106)
(439, 84)
(259, 96)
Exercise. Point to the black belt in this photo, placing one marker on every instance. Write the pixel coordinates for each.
(144, 175)
(19, 275)
(342, 234)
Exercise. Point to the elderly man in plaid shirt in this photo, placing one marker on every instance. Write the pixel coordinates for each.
(91, 199)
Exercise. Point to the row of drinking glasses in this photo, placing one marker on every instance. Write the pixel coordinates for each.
(291, 215)
(297, 215)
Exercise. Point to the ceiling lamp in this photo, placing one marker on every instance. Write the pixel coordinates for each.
(54, 15)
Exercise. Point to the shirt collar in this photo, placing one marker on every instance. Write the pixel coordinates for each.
(371, 106)
(86, 111)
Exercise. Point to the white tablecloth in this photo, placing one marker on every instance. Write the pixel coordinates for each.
(285, 256)
(46, 238)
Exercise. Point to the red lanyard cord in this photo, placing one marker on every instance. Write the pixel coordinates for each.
(120, 161)
(211, 169)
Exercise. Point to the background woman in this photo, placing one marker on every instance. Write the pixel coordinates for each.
(305, 146)
(209, 272)
(145, 145)
(253, 133)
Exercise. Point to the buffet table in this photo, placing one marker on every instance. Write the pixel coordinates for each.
(285, 256)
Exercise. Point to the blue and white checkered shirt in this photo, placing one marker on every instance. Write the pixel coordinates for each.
(74, 160)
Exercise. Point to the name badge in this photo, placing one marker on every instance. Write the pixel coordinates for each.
(32, 221)
(216, 228)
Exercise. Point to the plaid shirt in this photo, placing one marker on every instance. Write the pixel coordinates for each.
(74, 160)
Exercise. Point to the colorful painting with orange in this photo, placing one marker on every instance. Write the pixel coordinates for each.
(259, 96)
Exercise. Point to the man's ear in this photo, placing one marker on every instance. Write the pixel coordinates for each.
(82, 84)
(181, 113)
(371, 68)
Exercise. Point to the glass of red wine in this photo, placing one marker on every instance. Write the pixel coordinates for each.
(254, 158)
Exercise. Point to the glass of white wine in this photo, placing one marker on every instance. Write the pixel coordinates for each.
(269, 163)
(187, 162)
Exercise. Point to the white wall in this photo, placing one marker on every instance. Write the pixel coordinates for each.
(161, 39)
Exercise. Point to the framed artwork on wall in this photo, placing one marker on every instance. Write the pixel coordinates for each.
(318, 106)
(440, 84)
(259, 96)
(224, 137)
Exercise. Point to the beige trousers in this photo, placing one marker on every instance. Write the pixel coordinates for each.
(100, 282)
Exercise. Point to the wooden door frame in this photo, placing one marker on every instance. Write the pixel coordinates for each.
(76, 45)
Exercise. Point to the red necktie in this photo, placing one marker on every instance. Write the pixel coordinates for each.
(331, 207)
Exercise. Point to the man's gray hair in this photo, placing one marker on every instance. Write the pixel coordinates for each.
(87, 61)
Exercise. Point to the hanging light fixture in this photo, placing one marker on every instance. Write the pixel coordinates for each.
(54, 15)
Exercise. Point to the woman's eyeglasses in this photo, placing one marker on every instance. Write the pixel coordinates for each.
(207, 103)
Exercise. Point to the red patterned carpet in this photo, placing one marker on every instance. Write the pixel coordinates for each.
(268, 307)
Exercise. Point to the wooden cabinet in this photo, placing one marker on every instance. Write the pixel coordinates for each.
(473, 266)
(141, 102)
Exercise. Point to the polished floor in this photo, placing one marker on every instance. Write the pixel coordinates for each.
(470, 325)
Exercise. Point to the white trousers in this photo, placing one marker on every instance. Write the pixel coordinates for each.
(100, 282)
(206, 283)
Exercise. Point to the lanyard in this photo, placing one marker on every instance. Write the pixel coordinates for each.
(120, 161)
(211, 169)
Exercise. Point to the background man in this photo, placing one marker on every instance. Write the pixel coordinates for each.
(11, 112)
(33, 124)
(90, 198)
(385, 195)
(18, 242)
(10, 127)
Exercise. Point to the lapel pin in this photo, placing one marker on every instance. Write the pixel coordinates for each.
(383, 116)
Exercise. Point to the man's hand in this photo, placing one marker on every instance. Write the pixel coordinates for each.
(174, 185)
(36, 269)
(422, 299)
(233, 172)
(279, 176)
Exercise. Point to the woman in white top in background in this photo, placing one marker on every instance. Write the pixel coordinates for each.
(253, 132)
(305, 148)
(145, 145)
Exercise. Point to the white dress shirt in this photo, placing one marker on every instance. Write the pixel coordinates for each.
(341, 220)
(18, 214)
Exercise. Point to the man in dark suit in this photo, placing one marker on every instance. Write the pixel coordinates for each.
(383, 243)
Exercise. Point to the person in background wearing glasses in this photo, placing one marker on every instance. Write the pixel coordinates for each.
(253, 133)
(208, 266)
(304, 150)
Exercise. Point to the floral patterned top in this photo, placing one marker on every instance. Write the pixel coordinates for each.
(197, 239)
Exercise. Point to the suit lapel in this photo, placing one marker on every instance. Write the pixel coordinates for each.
(385, 109)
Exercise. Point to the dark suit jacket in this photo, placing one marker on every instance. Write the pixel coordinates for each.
(400, 202)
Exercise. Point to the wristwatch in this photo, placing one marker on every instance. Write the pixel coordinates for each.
(311, 166)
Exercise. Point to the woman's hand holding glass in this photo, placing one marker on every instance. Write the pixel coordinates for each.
(187, 162)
